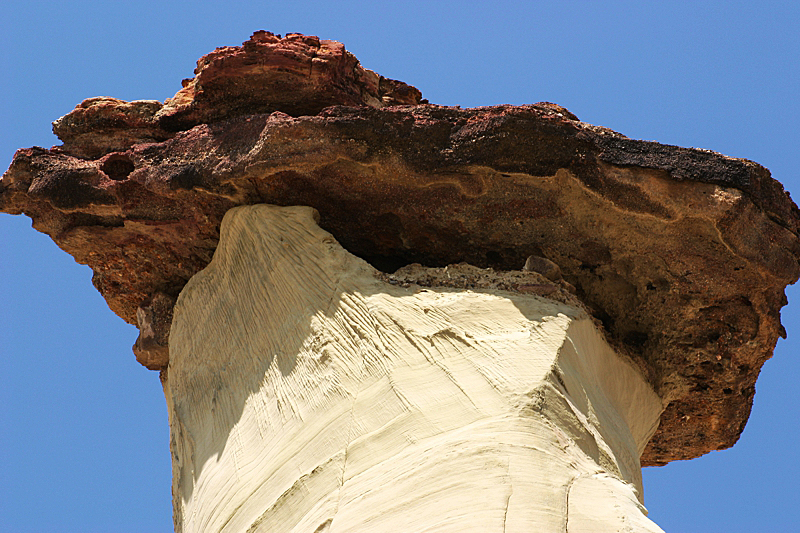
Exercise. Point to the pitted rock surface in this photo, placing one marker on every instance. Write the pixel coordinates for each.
(682, 254)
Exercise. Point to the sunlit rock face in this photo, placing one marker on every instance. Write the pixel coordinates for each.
(307, 392)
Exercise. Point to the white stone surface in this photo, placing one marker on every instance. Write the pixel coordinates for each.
(305, 395)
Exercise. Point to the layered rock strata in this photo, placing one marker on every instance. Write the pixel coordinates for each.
(308, 392)
(677, 257)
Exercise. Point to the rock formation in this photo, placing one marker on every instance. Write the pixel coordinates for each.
(570, 303)
(307, 392)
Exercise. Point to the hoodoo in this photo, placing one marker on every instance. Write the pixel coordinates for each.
(372, 313)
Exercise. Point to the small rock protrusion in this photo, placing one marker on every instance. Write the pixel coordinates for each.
(543, 266)
(154, 317)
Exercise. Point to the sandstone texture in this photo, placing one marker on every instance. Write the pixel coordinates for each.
(682, 255)
(308, 392)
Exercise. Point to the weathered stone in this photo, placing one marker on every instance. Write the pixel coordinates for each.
(307, 392)
(682, 254)
(154, 319)
(298, 75)
(102, 125)
(543, 266)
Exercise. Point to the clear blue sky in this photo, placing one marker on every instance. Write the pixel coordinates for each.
(83, 427)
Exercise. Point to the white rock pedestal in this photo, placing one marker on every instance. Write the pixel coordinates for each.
(307, 395)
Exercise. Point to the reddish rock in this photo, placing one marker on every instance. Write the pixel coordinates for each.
(298, 75)
(101, 125)
(682, 254)
(154, 319)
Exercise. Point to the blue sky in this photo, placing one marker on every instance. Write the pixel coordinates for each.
(83, 427)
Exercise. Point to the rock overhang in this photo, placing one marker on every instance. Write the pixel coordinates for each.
(682, 254)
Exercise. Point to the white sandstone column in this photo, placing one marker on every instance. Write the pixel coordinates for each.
(307, 395)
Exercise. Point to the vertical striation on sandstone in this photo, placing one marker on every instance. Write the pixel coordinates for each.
(678, 257)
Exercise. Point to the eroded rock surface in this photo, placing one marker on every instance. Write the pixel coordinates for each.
(307, 393)
(297, 74)
(682, 254)
(154, 320)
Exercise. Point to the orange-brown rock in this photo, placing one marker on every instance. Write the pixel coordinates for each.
(682, 254)
(101, 125)
(298, 75)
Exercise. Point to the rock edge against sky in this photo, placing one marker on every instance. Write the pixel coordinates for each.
(682, 255)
